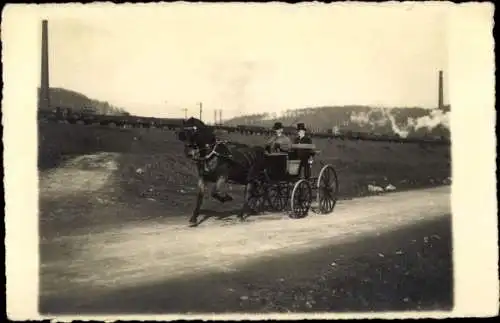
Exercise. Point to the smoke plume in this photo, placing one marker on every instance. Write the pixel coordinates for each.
(403, 133)
(436, 118)
(379, 117)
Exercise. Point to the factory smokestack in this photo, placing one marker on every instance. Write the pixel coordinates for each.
(44, 83)
(440, 93)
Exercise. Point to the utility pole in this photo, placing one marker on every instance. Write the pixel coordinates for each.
(215, 117)
(185, 113)
(201, 110)
(220, 117)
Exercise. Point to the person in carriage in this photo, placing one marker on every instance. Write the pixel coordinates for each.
(304, 156)
(279, 142)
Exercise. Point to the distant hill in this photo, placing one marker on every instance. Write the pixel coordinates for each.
(405, 122)
(75, 101)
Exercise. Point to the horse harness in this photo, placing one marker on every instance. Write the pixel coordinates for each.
(209, 160)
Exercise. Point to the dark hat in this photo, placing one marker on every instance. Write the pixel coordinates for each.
(277, 125)
(301, 126)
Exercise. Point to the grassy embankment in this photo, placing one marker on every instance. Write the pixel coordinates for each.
(165, 173)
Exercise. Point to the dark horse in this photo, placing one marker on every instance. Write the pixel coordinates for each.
(220, 162)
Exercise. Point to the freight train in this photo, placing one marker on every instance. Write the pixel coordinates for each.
(88, 117)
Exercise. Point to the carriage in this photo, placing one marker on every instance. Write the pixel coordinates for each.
(281, 188)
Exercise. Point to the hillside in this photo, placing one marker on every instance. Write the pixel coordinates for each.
(405, 122)
(75, 101)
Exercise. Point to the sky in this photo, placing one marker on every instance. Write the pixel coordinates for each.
(246, 59)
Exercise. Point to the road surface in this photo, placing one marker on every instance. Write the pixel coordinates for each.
(77, 271)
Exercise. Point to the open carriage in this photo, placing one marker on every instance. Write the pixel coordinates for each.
(282, 187)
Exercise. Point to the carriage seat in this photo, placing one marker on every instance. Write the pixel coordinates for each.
(298, 153)
(280, 165)
(276, 165)
(302, 151)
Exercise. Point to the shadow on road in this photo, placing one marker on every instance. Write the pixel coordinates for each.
(220, 215)
(408, 269)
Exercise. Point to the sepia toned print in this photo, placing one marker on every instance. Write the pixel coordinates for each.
(199, 160)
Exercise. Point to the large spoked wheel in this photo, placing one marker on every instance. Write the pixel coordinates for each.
(256, 197)
(327, 190)
(300, 200)
(277, 197)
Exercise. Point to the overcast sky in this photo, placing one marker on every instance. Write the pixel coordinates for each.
(249, 59)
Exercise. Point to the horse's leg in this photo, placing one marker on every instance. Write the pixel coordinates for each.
(222, 188)
(218, 191)
(201, 192)
(251, 176)
(245, 208)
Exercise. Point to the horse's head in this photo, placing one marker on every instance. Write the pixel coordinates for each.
(198, 139)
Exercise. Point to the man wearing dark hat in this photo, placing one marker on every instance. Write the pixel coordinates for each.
(301, 135)
(279, 142)
(304, 156)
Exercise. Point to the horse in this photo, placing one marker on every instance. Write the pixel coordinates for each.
(220, 162)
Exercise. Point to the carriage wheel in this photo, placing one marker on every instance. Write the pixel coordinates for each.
(256, 197)
(300, 200)
(327, 189)
(277, 197)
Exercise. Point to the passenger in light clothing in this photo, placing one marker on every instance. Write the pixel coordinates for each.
(279, 142)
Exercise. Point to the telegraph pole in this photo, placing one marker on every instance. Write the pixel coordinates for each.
(185, 113)
(215, 117)
(201, 110)
(220, 117)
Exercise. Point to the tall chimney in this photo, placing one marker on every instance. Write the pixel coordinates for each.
(44, 83)
(440, 98)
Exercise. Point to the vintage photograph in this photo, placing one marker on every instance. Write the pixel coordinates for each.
(250, 159)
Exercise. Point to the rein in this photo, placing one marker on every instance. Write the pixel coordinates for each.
(212, 153)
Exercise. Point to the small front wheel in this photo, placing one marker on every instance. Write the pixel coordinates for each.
(277, 197)
(300, 200)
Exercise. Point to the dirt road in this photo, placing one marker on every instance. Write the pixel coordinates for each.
(77, 269)
(410, 269)
(99, 254)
